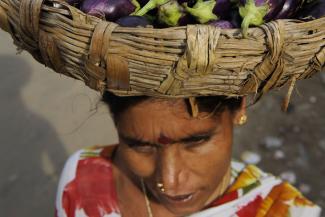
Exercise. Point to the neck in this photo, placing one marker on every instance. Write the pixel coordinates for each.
(131, 199)
(221, 188)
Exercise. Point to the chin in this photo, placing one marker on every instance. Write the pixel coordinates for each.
(180, 212)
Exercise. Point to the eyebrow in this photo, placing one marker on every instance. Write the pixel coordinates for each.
(134, 141)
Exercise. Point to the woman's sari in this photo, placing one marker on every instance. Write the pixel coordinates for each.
(86, 189)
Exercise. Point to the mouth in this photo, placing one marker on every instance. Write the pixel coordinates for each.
(178, 199)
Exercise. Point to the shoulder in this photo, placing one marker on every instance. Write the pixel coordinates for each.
(285, 200)
(276, 197)
(87, 184)
(254, 192)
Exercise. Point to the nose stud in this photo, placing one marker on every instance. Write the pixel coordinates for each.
(161, 187)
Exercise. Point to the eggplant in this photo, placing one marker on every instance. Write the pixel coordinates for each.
(313, 10)
(133, 21)
(205, 11)
(173, 14)
(257, 12)
(222, 8)
(189, 3)
(222, 24)
(289, 9)
(75, 3)
(235, 18)
(110, 10)
(143, 2)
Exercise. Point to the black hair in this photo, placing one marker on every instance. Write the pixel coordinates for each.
(210, 104)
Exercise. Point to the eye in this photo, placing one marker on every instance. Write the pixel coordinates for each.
(142, 148)
(198, 140)
(137, 145)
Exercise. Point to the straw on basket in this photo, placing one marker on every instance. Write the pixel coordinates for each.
(182, 61)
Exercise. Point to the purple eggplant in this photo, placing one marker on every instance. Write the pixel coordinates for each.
(235, 18)
(222, 24)
(189, 3)
(110, 9)
(205, 11)
(133, 21)
(143, 2)
(222, 8)
(75, 3)
(289, 9)
(312, 10)
(173, 14)
(256, 12)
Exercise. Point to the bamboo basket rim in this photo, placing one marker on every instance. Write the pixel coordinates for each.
(185, 61)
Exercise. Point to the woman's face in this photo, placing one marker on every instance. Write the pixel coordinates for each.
(161, 142)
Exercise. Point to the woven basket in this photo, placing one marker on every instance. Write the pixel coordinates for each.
(182, 61)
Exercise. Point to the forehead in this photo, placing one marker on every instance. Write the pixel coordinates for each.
(150, 119)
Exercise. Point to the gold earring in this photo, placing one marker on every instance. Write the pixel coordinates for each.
(242, 120)
(161, 187)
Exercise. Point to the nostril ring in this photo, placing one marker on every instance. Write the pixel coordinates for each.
(161, 187)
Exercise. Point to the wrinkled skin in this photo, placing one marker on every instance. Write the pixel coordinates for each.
(195, 165)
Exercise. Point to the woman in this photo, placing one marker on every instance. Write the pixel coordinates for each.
(173, 159)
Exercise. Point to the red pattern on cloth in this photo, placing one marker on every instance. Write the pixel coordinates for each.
(224, 199)
(92, 190)
(251, 208)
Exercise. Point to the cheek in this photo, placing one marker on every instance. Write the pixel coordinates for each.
(212, 161)
(141, 165)
(218, 160)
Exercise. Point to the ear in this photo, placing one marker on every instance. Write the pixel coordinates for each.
(240, 113)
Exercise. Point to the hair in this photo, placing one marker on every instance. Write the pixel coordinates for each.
(211, 104)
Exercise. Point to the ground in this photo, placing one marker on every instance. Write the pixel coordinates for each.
(292, 144)
(45, 117)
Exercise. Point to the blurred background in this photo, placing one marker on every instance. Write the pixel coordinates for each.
(45, 117)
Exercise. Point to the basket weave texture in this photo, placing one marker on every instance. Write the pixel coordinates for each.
(182, 61)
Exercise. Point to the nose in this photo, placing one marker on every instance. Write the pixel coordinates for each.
(171, 170)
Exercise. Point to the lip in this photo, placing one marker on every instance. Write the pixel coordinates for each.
(178, 199)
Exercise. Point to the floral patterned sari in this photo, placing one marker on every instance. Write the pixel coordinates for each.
(86, 189)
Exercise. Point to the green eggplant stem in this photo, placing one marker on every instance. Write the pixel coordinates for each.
(245, 25)
(202, 10)
(152, 4)
(136, 4)
(170, 13)
(252, 15)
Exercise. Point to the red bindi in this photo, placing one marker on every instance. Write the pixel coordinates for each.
(163, 140)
